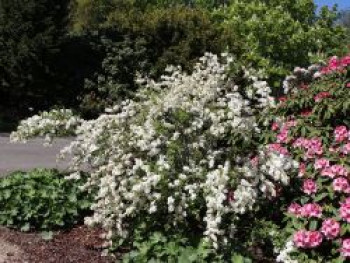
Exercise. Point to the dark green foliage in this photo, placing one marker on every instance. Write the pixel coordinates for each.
(30, 33)
(146, 42)
(116, 79)
(90, 15)
(41, 200)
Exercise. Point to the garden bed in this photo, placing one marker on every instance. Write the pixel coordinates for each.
(81, 244)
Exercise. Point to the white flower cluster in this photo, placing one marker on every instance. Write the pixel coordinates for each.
(284, 254)
(182, 147)
(260, 178)
(301, 76)
(50, 124)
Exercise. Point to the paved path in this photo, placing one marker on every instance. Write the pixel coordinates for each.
(28, 156)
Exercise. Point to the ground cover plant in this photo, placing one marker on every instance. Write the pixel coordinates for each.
(42, 200)
(313, 127)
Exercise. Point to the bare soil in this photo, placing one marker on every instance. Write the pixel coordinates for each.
(79, 245)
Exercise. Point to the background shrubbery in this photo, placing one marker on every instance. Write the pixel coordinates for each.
(84, 54)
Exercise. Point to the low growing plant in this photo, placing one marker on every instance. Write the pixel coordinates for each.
(42, 200)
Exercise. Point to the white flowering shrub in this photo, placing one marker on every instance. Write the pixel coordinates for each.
(183, 156)
(51, 124)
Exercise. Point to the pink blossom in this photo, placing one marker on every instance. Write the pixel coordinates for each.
(313, 146)
(348, 85)
(282, 99)
(311, 210)
(341, 184)
(294, 209)
(302, 169)
(275, 126)
(321, 163)
(340, 133)
(290, 123)
(345, 249)
(307, 239)
(299, 238)
(299, 142)
(254, 161)
(333, 63)
(345, 210)
(330, 228)
(345, 61)
(328, 172)
(339, 170)
(276, 147)
(322, 95)
(306, 113)
(282, 136)
(309, 187)
(345, 149)
(347, 200)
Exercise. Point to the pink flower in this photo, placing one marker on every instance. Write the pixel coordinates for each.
(345, 249)
(299, 238)
(328, 172)
(294, 209)
(306, 113)
(333, 63)
(345, 61)
(341, 184)
(276, 147)
(254, 161)
(345, 210)
(345, 149)
(322, 95)
(321, 163)
(302, 169)
(348, 85)
(282, 136)
(299, 142)
(290, 123)
(275, 126)
(330, 228)
(307, 239)
(313, 146)
(340, 133)
(339, 170)
(311, 210)
(282, 99)
(309, 187)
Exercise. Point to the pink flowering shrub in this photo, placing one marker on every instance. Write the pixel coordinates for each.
(311, 124)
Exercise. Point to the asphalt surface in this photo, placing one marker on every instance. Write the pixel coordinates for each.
(33, 154)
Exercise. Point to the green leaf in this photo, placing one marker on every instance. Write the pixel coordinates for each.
(47, 235)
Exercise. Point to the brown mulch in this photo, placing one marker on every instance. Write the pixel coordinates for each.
(79, 245)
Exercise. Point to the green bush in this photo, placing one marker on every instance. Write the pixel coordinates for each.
(41, 200)
(279, 35)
